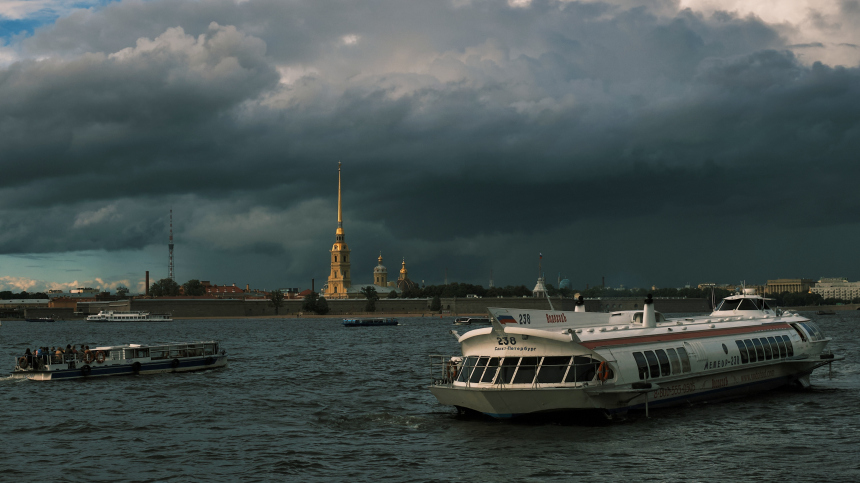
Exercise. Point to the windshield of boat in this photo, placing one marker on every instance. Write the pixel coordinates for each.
(743, 304)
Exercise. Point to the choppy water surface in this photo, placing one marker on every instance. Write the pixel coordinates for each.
(311, 400)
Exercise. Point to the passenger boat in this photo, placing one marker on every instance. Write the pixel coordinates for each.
(39, 319)
(123, 360)
(371, 322)
(117, 316)
(537, 361)
(472, 321)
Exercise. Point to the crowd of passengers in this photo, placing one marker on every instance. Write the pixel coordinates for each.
(41, 356)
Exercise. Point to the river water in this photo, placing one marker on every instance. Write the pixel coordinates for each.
(310, 400)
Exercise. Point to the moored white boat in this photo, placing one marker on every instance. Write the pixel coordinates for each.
(137, 316)
(122, 360)
(472, 321)
(536, 361)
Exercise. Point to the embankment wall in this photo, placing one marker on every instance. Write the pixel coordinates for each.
(452, 306)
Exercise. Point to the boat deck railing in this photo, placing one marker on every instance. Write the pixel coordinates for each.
(167, 351)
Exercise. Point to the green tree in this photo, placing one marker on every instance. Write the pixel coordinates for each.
(194, 288)
(370, 292)
(322, 306)
(122, 291)
(436, 303)
(309, 304)
(392, 294)
(277, 299)
(164, 288)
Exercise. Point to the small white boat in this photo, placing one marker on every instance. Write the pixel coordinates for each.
(538, 361)
(122, 360)
(117, 316)
(472, 321)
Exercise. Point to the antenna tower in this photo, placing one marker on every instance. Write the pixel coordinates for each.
(170, 248)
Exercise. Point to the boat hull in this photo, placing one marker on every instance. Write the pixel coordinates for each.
(80, 371)
(509, 401)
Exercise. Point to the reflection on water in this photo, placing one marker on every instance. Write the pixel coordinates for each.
(315, 400)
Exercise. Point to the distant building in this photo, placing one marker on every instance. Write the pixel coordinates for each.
(23, 303)
(339, 285)
(836, 288)
(791, 285)
(338, 279)
(221, 290)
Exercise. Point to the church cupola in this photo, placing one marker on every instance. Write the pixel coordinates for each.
(380, 274)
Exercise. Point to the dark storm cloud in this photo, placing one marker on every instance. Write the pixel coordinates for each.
(452, 119)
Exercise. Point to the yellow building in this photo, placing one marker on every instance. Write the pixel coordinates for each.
(339, 284)
(338, 280)
(793, 285)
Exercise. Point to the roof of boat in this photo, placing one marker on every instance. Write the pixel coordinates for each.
(156, 344)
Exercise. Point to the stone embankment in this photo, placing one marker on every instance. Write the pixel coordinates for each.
(248, 308)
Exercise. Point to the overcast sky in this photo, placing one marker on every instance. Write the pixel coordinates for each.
(651, 142)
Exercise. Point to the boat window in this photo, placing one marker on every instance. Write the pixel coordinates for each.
(673, 359)
(526, 372)
(751, 350)
(552, 370)
(728, 305)
(685, 360)
(774, 347)
(492, 369)
(158, 352)
(817, 328)
(479, 370)
(800, 332)
(466, 369)
(814, 332)
(506, 372)
(208, 349)
(764, 305)
(665, 369)
(759, 350)
(789, 349)
(653, 365)
(768, 354)
(642, 364)
(747, 304)
(780, 344)
(743, 350)
(584, 369)
(637, 318)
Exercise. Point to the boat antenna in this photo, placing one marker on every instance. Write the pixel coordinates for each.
(549, 300)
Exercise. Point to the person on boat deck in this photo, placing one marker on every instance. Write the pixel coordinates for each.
(29, 356)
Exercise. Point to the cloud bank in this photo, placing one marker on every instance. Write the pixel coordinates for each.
(607, 135)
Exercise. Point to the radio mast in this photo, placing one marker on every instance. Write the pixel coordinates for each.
(170, 250)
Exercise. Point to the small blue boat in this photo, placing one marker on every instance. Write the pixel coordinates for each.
(373, 322)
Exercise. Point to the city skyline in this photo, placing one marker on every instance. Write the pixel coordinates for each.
(650, 143)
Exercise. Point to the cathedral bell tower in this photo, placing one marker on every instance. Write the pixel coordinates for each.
(380, 274)
(338, 279)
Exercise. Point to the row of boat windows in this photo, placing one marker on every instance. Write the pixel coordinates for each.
(661, 363)
(765, 348)
(528, 370)
(172, 352)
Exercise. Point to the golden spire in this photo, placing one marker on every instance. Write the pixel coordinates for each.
(339, 204)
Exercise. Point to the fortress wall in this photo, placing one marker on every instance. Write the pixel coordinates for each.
(355, 307)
